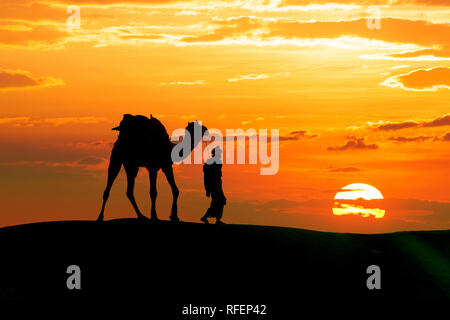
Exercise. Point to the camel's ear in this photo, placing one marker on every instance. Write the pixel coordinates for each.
(151, 116)
(116, 128)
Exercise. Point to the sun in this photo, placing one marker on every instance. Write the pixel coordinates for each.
(359, 199)
(359, 190)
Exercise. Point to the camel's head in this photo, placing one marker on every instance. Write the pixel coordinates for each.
(125, 123)
(196, 130)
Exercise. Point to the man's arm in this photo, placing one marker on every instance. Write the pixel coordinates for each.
(207, 186)
(206, 182)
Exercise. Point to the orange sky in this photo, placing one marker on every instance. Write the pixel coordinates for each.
(373, 104)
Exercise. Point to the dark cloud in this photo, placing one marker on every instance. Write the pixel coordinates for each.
(387, 125)
(9, 79)
(297, 135)
(430, 79)
(354, 143)
(397, 126)
(446, 137)
(412, 139)
(440, 121)
(18, 79)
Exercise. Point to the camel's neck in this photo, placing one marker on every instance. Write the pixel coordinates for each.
(189, 143)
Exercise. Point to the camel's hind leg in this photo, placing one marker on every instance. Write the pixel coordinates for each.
(168, 171)
(132, 171)
(113, 171)
(153, 174)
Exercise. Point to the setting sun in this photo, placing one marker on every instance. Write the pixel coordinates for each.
(359, 190)
(360, 201)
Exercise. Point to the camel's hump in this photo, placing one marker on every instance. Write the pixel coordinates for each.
(139, 125)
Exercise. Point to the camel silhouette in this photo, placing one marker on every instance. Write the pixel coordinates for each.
(144, 142)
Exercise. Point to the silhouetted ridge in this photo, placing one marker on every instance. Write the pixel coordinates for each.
(178, 264)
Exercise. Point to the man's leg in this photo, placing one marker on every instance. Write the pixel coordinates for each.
(209, 212)
(219, 203)
(206, 215)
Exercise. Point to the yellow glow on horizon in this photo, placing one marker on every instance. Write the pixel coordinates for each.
(364, 212)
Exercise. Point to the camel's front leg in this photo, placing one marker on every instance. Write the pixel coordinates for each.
(131, 177)
(168, 171)
(153, 174)
(113, 170)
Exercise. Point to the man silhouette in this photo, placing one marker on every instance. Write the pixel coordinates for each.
(212, 171)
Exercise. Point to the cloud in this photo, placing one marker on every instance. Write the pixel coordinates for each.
(29, 122)
(400, 66)
(254, 76)
(252, 134)
(29, 34)
(396, 125)
(387, 126)
(291, 136)
(367, 2)
(420, 34)
(430, 79)
(131, 35)
(184, 83)
(14, 120)
(187, 13)
(398, 34)
(251, 76)
(105, 2)
(446, 137)
(297, 135)
(267, 3)
(393, 30)
(20, 79)
(439, 52)
(354, 143)
(31, 10)
(421, 138)
(440, 121)
(443, 120)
